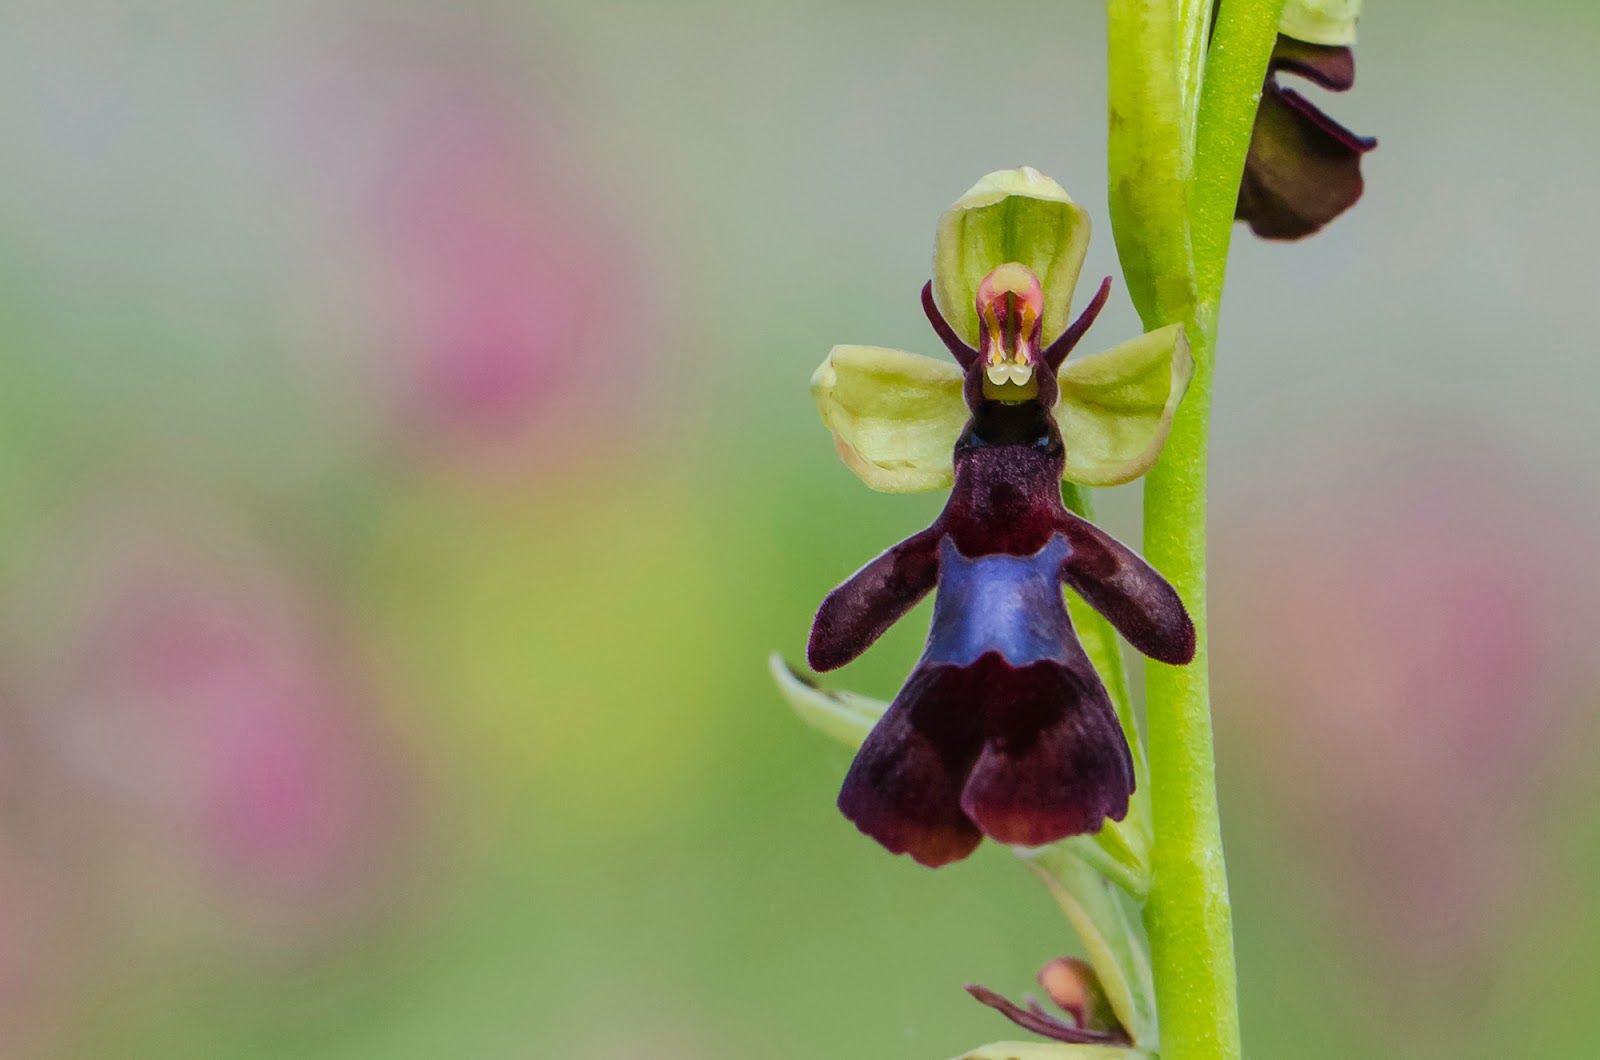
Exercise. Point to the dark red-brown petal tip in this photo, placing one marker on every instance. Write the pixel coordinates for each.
(1331, 66)
(1043, 1024)
(1303, 169)
(904, 787)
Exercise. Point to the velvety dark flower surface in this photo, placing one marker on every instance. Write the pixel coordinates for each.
(1003, 728)
(1304, 168)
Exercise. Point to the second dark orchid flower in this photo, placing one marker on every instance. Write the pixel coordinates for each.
(1304, 168)
(1003, 728)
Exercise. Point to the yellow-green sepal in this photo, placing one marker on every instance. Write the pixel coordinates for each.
(895, 416)
(1116, 407)
(1330, 22)
(1010, 215)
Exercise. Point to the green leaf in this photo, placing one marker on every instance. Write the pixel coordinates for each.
(1097, 915)
(845, 716)
(895, 416)
(1116, 407)
(1010, 215)
(1124, 846)
(1109, 853)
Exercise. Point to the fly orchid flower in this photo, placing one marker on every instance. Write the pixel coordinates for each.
(1003, 728)
(1304, 168)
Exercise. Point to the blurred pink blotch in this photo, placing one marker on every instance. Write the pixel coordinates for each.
(218, 745)
(1402, 660)
(501, 299)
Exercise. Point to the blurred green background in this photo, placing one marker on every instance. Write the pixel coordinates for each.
(406, 465)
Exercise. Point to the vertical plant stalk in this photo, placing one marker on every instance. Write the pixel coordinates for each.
(1187, 915)
(1236, 71)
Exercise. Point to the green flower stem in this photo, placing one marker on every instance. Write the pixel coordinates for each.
(1187, 914)
(1236, 69)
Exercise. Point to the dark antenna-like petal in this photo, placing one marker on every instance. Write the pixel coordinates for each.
(1334, 68)
(1057, 351)
(1042, 1023)
(965, 355)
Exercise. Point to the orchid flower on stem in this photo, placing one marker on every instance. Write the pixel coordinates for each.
(1017, 723)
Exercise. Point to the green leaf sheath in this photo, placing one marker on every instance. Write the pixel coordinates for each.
(1147, 156)
(1110, 943)
(1105, 651)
